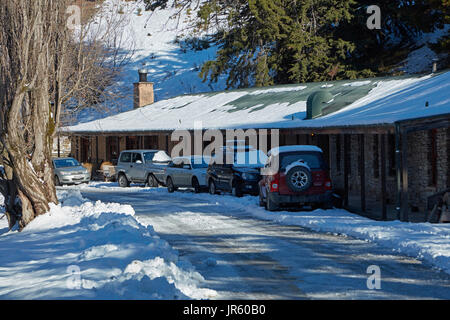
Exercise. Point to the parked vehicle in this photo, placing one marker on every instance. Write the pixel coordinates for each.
(239, 176)
(295, 175)
(142, 166)
(187, 172)
(69, 171)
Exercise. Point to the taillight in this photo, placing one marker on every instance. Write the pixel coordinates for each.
(274, 183)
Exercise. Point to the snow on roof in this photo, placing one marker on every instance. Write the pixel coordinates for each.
(362, 102)
(305, 148)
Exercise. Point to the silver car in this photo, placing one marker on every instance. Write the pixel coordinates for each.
(187, 172)
(70, 171)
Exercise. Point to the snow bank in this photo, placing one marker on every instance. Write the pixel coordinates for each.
(85, 250)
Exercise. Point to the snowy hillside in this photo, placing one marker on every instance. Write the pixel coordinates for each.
(156, 40)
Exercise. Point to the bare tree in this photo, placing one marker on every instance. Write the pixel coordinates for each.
(46, 71)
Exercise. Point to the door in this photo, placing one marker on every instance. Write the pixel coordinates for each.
(137, 169)
(226, 176)
(186, 174)
(176, 172)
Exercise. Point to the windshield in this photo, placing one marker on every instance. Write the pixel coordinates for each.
(313, 159)
(148, 156)
(253, 159)
(65, 163)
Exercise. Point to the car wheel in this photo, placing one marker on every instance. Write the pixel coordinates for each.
(236, 191)
(123, 181)
(212, 187)
(170, 186)
(299, 179)
(196, 185)
(57, 182)
(151, 181)
(270, 205)
(261, 199)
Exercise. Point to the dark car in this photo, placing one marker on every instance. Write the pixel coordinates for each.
(239, 177)
(295, 176)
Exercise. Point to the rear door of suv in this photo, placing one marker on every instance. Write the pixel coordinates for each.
(315, 162)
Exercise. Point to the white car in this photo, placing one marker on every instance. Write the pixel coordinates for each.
(187, 172)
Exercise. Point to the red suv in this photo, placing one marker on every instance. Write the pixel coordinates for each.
(295, 175)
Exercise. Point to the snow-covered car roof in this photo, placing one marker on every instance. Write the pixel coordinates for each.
(284, 149)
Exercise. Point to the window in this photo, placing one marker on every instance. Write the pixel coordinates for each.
(313, 160)
(132, 143)
(65, 163)
(137, 157)
(151, 142)
(148, 156)
(125, 157)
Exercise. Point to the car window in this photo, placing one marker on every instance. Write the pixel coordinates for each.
(148, 156)
(125, 157)
(65, 163)
(137, 157)
(313, 159)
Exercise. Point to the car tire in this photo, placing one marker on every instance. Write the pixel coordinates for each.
(152, 182)
(299, 179)
(236, 191)
(196, 185)
(212, 187)
(123, 181)
(270, 205)
(262, 203)
(57, 182)
(170, 186)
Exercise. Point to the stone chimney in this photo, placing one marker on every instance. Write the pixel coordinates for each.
(143, 91)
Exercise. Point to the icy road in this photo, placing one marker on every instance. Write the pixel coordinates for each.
(243, 257)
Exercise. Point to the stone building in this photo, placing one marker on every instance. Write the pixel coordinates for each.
(387, 140)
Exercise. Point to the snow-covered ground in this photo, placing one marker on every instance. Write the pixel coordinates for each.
(245, 252)
(424, 241)
(86, 250)
(229, 248)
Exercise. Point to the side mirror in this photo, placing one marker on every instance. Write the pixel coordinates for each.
(139, 162)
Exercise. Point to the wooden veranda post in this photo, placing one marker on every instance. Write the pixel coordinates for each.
(382, 138)
(362, 172)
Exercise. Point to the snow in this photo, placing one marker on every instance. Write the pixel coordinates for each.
(302, 148)
(251, 246)
(388, 102)
(161, 156)
(424, 241)
(421, 58)
(152, 39)
(86, 250)
(297, 163)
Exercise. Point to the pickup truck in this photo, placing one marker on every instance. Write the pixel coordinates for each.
(142, 166)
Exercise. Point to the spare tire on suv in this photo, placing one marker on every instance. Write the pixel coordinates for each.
(299, 178)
